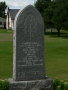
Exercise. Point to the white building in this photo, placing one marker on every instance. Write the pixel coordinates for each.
(11, 13)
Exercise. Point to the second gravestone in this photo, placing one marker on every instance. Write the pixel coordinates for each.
(28, 62)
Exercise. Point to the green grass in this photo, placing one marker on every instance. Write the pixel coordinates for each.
(5, 59)
(56, 56)
(56, 50)
(5, 54)
(5, 31)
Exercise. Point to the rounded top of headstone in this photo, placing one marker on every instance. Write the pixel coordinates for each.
(26, 11)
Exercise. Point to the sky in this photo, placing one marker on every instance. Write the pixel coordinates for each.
(15, 4)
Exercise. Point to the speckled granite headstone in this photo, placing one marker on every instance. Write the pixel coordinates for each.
(29, 45)
(28, 62)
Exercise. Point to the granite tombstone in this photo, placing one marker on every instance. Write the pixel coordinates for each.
(29, 46)
(28, 61)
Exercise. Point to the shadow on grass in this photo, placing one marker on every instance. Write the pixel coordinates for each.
(55, 35)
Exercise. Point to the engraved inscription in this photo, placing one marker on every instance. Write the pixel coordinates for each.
(30, 58)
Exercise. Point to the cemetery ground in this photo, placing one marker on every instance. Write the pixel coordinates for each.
(56, 52)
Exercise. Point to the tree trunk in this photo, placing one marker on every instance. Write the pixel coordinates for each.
(51, 30)
(58, 32)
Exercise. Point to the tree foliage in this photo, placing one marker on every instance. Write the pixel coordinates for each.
(2, 9)
(41, 5)
(55, 13)
(60, 14)
(46, 9)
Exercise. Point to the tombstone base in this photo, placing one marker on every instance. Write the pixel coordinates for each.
(45, 84)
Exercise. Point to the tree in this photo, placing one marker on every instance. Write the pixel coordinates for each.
(41, 5)
(55, 13)
(2, 9)
(60, 15)
(48, 14)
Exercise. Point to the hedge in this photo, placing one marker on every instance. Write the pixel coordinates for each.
(4, 85)
(60, 85)
(57, 85)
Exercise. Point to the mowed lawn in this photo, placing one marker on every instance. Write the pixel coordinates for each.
(56, 56)
(5, 54)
